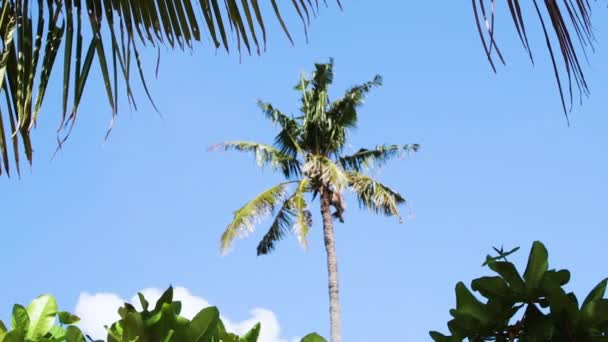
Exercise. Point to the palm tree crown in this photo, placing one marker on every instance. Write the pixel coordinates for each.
(308, 151)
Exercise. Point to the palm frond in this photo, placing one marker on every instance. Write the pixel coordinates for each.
(108, 37)
(293, 215)
(279, 228)
(303, 220)
(375, 196)
(344, 111)
(289, 136)
(376, 157)
(247, 216)
(568, 22)
(264, 155)
(321, 168)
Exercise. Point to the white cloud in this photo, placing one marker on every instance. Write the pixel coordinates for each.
(99, 309)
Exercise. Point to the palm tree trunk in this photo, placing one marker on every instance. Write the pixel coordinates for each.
(332, 266)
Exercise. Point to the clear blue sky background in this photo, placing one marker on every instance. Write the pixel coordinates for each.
(498, 165)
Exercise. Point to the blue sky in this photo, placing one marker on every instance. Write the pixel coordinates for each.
(146, 208)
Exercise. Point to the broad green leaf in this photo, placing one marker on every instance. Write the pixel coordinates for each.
(466, 303)
(42, 312)
(491, 287)
(538, 264)
(67, 318)
(252, 335)
(132, 326)
(597, 293)
(509, 273)
(314, 337)
(20, 319)
(16, 335)
(593, 301)
(203, 322)
(73, 334)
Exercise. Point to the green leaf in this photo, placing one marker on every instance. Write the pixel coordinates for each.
(132, 326)
(509, 273)
(143, 301)
(73, 334)
(593, 301)
(57, 333)
(202, 323)
(20, 318)
(491, 287)
(314, 337)
(3, 330)
(17, 335)
(252, 335)
(42, 312)
(165, 298)
(438, 337)
(538, 264)
(67, 318)
(596, 294)
(466, 303)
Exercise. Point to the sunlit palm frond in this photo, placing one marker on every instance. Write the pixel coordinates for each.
(330, 174)
(374, 195)
(289, 136)
(247, 216)
(293, 215)
(376, 157)
(567, 22)
(107, 38)
(264, 155)
(303, 220)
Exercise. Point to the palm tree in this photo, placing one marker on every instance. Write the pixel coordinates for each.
(68, 38)
(308, 150)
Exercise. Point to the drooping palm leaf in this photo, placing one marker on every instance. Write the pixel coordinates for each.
(108, 35)
(376, 157)
(303, 220)
(374, 195)
(247, 216)
(264, 155)
(567, 22)
(281, 225)
(293, 216)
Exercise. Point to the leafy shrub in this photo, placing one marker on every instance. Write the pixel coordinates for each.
(531, 308)
(37, 323)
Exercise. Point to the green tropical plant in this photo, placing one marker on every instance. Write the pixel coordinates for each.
(36, 323)
(308, 150)
(533, 307)
(163, 323)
